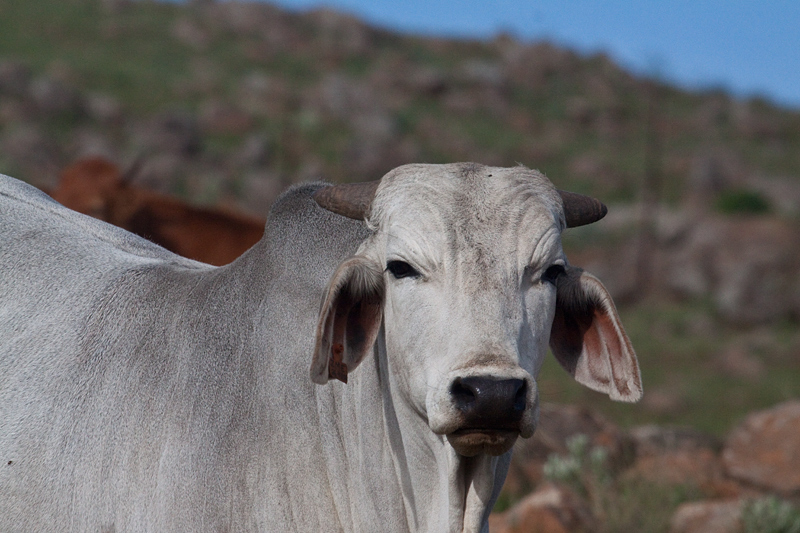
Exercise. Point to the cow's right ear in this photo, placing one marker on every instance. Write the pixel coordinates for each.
(349, 319)
(588, 340)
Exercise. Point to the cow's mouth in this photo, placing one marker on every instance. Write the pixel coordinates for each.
(474, 441)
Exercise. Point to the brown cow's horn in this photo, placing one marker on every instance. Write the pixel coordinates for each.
(580, 210)
(352, 200)
(133, 170)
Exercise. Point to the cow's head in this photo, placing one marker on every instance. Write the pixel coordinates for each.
(465, 269)
(88, 185)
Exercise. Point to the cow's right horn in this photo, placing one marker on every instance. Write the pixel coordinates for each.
(352, 200)
(580, 210)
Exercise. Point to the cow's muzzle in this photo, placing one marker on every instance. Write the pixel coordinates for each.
(491, 412)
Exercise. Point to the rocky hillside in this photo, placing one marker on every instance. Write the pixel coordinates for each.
(229, 101)
(580, 472)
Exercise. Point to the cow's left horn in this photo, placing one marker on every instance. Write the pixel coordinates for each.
(352, 200)
(580, 210)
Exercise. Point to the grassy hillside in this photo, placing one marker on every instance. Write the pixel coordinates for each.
(337, 87)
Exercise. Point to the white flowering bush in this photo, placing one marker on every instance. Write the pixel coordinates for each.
(584, 469)
(770, 515)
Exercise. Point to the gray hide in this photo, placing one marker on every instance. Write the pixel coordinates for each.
(141, 391)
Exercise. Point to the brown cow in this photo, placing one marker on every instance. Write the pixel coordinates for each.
(95, 186)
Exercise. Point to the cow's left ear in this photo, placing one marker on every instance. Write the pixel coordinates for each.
(588, 340)
(349, 319)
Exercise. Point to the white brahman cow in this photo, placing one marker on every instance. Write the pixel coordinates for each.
(141, 391)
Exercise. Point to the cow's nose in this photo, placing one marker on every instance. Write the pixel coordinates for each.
(487, 402)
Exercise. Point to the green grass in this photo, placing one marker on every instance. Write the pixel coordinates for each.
(138, 61)
(644, 506)
(742, 201)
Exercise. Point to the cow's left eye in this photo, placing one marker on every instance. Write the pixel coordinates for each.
(552, 273)
(401, 269)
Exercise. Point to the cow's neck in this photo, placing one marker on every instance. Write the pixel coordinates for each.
(387, 451)
(442, 491)
(446, 491)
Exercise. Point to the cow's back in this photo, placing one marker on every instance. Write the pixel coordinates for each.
(59, 270)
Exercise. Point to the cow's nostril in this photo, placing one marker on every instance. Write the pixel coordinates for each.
(521, 397)
(463, 394)
(487, 401)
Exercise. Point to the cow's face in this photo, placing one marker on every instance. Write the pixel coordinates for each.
(466, 268)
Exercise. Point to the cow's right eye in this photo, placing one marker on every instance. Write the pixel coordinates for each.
(551, 274)
(401, 269)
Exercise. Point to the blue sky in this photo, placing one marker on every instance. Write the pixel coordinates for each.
(746, 47)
